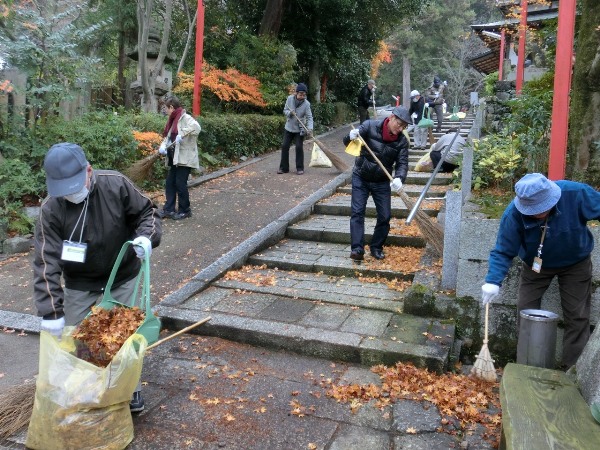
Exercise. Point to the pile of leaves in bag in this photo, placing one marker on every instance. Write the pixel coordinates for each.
(104, 332)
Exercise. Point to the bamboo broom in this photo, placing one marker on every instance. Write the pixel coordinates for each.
(431, 231)
(140, 170)
(484, 365)
(16, 402)
(335, 159)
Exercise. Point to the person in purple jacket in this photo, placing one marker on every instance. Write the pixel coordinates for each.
(546, 226)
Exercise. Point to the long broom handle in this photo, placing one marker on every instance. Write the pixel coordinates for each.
(373, 155)
(162, 341)
(487, 311)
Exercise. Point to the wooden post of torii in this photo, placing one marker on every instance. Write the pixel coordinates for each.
(562, 86)
(198, 61)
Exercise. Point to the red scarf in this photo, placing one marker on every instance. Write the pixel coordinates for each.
(387, 135)
(173, 119)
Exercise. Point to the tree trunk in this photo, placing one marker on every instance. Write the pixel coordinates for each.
(314, 70)
(121, 81)
(583, 157)
(148, 74)
(406, 81)
(191, 28)
(271, 20)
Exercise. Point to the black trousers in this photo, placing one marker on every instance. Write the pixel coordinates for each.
(288, 136)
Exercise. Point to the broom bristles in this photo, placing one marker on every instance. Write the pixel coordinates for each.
(484, 365)
(432, 232)
(140, 170)
(16, 406)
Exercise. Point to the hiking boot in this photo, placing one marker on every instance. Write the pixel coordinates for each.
(182, 215)
(136, 405)
(166, 214)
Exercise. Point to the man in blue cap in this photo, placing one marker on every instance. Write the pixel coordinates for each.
(296, 109)
(86, 218)
(546, 226)
(390, 145)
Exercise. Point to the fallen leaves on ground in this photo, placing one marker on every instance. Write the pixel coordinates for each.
(398, 227)
(467, 399)
(247, 274)
(394, 284)
(397, 259)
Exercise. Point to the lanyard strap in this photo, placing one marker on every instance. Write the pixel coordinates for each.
(539, 252)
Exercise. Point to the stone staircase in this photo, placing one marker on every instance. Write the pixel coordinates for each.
(304, 293)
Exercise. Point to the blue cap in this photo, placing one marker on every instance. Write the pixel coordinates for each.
(536, 194)
(301, 88)
(65, 165)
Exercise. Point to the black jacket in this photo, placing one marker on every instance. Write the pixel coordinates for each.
(117, 212)
(389, 153)
(417, 107)
(365, 97)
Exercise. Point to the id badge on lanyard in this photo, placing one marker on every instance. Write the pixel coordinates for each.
(74, 251)
(537, 261)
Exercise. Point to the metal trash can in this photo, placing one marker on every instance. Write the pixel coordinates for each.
(537, 338)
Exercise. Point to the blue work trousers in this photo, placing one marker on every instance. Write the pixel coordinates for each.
(381, 193)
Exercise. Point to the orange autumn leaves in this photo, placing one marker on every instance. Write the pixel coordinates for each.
(148, 142)
(228, 85)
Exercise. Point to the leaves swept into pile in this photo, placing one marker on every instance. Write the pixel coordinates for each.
(467, 399)
(398, 259)
(105, 331)
(247, 275)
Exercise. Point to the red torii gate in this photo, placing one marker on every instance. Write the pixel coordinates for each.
(198, 60)
(562, 82)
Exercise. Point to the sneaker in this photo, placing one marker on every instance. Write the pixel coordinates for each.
(136, 404)
(166, 214)
(182, 215)
(280, 171)
(300, 172)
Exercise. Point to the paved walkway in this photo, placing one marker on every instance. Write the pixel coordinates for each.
(208, 393)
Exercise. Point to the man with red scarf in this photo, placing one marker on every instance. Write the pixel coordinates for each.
(390, 145)
(182, 130)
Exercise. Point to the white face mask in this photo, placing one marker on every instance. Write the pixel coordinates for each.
(78, 197)
(415, 100)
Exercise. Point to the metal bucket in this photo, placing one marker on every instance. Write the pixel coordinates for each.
(537, 338)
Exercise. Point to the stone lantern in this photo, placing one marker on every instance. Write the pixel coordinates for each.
(164, 78)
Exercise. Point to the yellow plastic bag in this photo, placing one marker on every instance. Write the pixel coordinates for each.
(79, 406)
(319, 158)
(353, 148)
(425, 164)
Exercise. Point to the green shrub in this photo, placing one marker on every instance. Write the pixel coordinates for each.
(497, 161)
(489, 84)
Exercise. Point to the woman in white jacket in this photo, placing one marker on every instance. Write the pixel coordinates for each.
(182, 129)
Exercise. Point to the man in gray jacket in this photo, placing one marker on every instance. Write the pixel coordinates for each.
(83, 223)
(296, 109)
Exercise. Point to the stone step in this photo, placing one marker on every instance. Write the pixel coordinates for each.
(334, 259)
(332, 317)
(411, 190)
(423, 177)
(336, 229)
(339, 205)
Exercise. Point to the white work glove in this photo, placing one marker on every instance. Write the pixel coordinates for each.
(53, 326)
(445, 83)
(354, 134)
(162, 149)
(142, 246)
(489, 292)
(178, 139)
(396, 184)
(426, 105)
(413, 115)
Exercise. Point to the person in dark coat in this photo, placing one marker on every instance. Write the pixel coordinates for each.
(365, 100)
(387, 141)
(434, 97)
